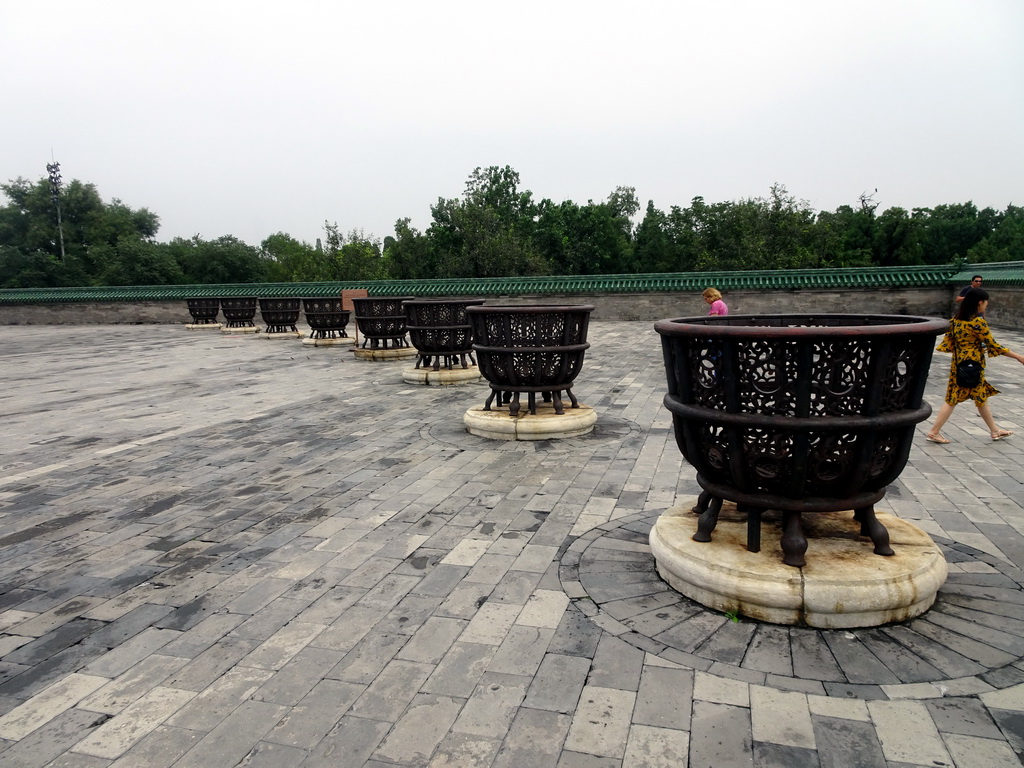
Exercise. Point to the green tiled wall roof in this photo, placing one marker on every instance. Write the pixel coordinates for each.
(1003, 273)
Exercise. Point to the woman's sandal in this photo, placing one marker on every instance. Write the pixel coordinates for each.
(1001, 434)
(941, 440)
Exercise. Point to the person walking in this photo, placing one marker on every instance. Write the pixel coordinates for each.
(975, 283)
(969, 338)
(713, 297)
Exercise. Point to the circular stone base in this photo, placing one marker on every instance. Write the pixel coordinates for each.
(401, 353)
(284, 335)
(497, 424)
(202, 326)
(442, 378)
(242, 329)
(843, 585)
(344, 341)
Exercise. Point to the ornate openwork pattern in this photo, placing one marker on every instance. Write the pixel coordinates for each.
(441, 333)
(381, 321)
(203, 311)
(326, 318)
(799, 413)
(239, 311)
(280, 315)
(530, 349)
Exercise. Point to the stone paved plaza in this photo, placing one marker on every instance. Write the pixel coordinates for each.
(224, 550)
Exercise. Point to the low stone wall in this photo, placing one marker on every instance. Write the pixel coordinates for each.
(1006, 310)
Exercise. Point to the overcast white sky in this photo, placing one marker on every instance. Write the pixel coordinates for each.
(248, 118)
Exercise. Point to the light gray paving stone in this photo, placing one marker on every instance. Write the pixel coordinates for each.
(600, 725)
(460, 749)
(558, 683)
(160, 749)
(907, 732)
(522, 650)
(204, 711)
(392, 690)
(47, 743)
(309, 722)
(460, 669)
(419, 731)
(649, 747)
(664, 699)
(720, 736)
(535, 739)
(299, 676)
(117, 735)
(133, 684)
(492, 705)
(234, 737)
(352, 739)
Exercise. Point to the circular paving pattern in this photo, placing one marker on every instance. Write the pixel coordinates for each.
(972, 639)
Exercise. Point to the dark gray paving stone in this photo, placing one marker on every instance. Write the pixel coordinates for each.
(1011, 724)
(575, 635)
(769, 650)
(729, 642)
(907, 665)
(858, 664)
(950, 663)
(691, 634)
(54, 641)
(846, 743)
(812, 657)
(768, 755)
(963, 715)
(35, 678)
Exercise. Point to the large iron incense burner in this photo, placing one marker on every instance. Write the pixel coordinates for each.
(280, 314)
(381, 321)
(796, 413)
(440, 331)
(532, 349)
(326, 318)
(239, 311)
(204, 311)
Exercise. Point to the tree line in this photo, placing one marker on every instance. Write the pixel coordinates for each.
(495, 229)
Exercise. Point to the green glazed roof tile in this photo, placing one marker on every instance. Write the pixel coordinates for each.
(1003, 273)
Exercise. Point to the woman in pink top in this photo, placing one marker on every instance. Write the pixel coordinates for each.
(714, 298)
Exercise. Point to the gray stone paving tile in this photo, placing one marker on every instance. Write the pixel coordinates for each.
(351, 523)
(842, 743)
(308, 723)
(964, 716)
(456, 675)
(664, 698)
(767, 755)
(47, 743)
(570, 759)
(159, 749)
(535, 739)
(720, 736)
(770, 651)
(558, 683)
(419, 731)
(616, 664)
(492, 705)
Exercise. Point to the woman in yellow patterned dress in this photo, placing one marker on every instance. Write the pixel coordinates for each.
(969, 338)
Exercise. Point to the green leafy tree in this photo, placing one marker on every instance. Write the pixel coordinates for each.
(28, 224)
(133, 261)
(409, 255)
(224, 260)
